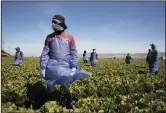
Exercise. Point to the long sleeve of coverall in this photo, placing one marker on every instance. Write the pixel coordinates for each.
(22, 55)
(155, 56)
(15, 56)
(45, 54)
(74, 54)
(96, 56)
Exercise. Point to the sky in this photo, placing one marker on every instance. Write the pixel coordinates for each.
(109, 27)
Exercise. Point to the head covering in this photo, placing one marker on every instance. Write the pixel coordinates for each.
(58, 23)
(94, 50)
(153, 46)
(60, 18)
(17, 48)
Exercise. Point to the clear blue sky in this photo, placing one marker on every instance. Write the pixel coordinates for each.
(110, 27)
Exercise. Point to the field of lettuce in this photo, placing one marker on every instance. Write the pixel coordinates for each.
(115, 87)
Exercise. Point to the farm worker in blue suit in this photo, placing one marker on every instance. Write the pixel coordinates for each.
(59, 58)
(94, 58)
(85, 57)
(148, 58)
(155, 61)
(18, 56)
(128, 58)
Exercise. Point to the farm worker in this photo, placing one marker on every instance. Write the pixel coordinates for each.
(85, 57)
(94, 58)
(162, 58)
(154, 61)
(59, 58)
(148, 58)
(128, 58)
(18, 56)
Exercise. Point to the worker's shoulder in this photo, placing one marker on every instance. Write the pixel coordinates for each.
(156, 50)
(51, 35)
(49, 38)
(69, 35)
(21, 53)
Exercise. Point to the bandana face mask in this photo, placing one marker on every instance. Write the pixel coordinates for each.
(56, 25)
(153, 47)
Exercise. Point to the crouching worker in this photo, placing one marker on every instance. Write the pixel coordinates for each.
(18, 57)
(59, 59)
(94, 58)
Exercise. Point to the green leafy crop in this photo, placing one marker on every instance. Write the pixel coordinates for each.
(114, 88)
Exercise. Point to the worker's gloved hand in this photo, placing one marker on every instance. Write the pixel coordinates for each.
(73, 69)
(42, 73)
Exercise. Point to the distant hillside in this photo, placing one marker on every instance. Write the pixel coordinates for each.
(122, 55)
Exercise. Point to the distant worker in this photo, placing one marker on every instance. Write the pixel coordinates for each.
(154, 61)
(162, 58)
(18, 57)
(59, 59)
(148, 58)
(94, 58)
(85, 57)
(128, 58)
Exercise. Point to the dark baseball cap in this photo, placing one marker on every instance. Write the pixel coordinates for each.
(152, 44)
(59, 17)
(17, 48)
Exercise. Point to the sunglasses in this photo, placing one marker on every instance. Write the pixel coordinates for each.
(55, 22)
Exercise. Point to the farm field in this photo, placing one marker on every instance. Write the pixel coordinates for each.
(115, 87)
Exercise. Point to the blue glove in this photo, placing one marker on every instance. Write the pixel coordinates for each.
(42, 73)
(73, 71)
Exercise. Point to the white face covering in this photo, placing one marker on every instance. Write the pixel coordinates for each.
(57, 27)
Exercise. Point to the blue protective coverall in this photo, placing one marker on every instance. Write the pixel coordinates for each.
(128, 59)
(59, 60)
(154, 61)
(93, 58)
(18, 57)
(85, 57)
